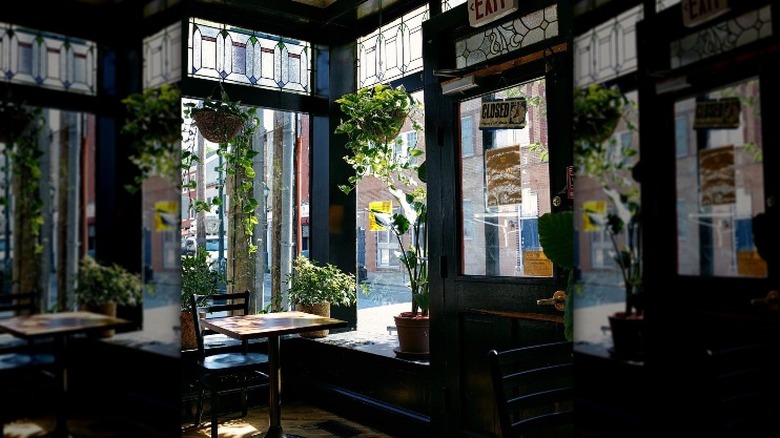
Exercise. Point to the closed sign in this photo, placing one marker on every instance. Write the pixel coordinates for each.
(503, 114)
(484, 11)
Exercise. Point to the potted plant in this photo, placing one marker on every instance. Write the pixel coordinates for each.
(197, 277)
(373, 119)
(101, 288)
(314, 288)
(598, 110)
(154, 120)
(556, 236)
(218, 120)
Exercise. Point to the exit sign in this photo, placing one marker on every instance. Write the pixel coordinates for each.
(696, 12)
(485, 11)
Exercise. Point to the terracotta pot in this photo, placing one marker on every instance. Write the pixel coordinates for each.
(188, 338)
(413, 334)
(103, 309)
(627, 334)
(322, 309)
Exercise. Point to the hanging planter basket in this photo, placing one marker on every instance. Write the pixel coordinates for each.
(13, 125)
(218, 126)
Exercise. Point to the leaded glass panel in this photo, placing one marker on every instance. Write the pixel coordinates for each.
(722, 37)
(608, 50)
(507, 37)
(392, 51)
(49, 60)
(162, 57)
(223, 52)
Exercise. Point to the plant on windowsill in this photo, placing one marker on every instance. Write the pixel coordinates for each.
(101, 288)
(197, 277)
(597, 112)
(154, 121)
(556, 236)
(314, 288)
(373, 118)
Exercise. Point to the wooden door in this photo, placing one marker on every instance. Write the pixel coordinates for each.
(710, 198)
(487, 187)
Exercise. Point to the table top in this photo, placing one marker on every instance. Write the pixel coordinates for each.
(263, 325)
(48, 324)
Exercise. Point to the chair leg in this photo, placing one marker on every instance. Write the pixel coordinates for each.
(214, 410)
(244, 396)
(199, 406)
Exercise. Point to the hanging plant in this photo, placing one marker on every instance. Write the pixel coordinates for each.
(238, 155)
(15, 120)
(219, 121)
(155, 123)
(374, 116)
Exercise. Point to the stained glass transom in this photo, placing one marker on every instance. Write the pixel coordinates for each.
(392, 51)
(232, 54)
(608, 50)
(660, 5)
(49, 60)
(507, 37)
(162, 57)
(446, 5)
(722, 37)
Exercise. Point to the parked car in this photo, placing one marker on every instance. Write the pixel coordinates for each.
(212, 246)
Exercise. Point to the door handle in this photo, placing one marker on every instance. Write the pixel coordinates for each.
(558, 300)
(771, 301)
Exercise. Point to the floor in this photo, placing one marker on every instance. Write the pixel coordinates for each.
(298, 419)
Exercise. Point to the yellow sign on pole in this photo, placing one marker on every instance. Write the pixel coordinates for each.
(590, 209)
(381, 207)
(166, 215)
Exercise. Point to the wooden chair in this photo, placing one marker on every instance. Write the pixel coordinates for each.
(224, 373)
(533, 389)
(27, 374)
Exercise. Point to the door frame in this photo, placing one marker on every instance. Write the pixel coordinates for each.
(451, 300)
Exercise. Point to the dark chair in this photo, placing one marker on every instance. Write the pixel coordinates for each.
(224, 373)
(533, 388)
(27, 374)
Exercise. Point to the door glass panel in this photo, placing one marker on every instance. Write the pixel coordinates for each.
(720, 181)
(505, 185)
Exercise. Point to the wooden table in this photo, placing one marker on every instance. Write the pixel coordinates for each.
(271, 326)
(60, 326)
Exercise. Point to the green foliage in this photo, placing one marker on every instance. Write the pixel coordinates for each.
(556, 236)
(154, 122)
(374, 118)
(597, 112)
(238, 157)
(310, 283)
(99, 284)
(197, 278)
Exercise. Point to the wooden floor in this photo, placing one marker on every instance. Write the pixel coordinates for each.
(297, 419)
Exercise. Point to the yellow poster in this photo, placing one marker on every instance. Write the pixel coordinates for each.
(502, 169)
(166, 215)
(381, 207)
(536, 264)
(589, 209)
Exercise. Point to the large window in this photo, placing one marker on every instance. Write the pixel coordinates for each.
(506, 187)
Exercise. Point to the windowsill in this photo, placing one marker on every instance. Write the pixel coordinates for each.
(367, 342)
(592, 336)
(158, 335)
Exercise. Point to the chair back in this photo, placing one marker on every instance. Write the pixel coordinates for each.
(533, 389)
(209, 306)
(13, 304)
